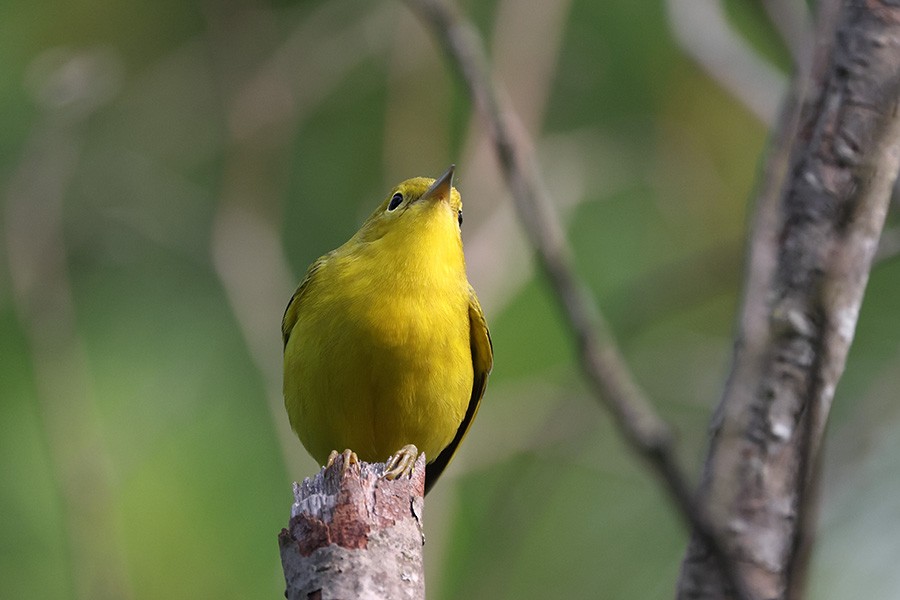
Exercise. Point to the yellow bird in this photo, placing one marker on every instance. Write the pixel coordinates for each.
(386, 349)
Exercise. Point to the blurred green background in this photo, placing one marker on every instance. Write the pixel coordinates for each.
(168, 170)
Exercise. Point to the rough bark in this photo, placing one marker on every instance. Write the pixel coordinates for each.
(808, 274)
(354, 534)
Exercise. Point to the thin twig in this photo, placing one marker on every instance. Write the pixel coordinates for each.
(524, 50)
(600, 359)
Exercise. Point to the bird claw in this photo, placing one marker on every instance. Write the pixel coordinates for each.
(401, 463)
(349, 457)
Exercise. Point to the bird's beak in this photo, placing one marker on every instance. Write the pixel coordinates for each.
(440, 189)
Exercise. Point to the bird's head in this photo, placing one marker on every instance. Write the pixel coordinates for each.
(417, 209)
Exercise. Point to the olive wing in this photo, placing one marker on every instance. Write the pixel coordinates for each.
(482, 362)
(292, 311)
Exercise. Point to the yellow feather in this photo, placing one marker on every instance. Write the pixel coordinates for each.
(385, 343)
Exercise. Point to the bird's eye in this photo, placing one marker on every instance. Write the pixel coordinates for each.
(459, 217)
(396, 199)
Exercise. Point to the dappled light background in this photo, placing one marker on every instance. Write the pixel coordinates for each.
(168, 170)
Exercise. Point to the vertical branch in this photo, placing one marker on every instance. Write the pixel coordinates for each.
(809, 268)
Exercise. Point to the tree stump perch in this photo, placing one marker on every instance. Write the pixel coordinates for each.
(354, 534)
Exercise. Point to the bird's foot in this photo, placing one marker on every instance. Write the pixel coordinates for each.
(402, 462)
(349, 456)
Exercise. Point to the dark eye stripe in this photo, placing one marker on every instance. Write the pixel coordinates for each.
(396, 199)
(459, 217)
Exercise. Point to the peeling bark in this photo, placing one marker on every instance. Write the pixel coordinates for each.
(800, 312)
(354, 534)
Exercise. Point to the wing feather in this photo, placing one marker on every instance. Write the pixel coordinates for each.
(482, 363)
(292, 311)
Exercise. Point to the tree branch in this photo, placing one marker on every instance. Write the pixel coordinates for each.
(355, 534)
(601, 360)
(809, 264)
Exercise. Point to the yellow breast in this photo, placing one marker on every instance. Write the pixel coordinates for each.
(380, 356)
